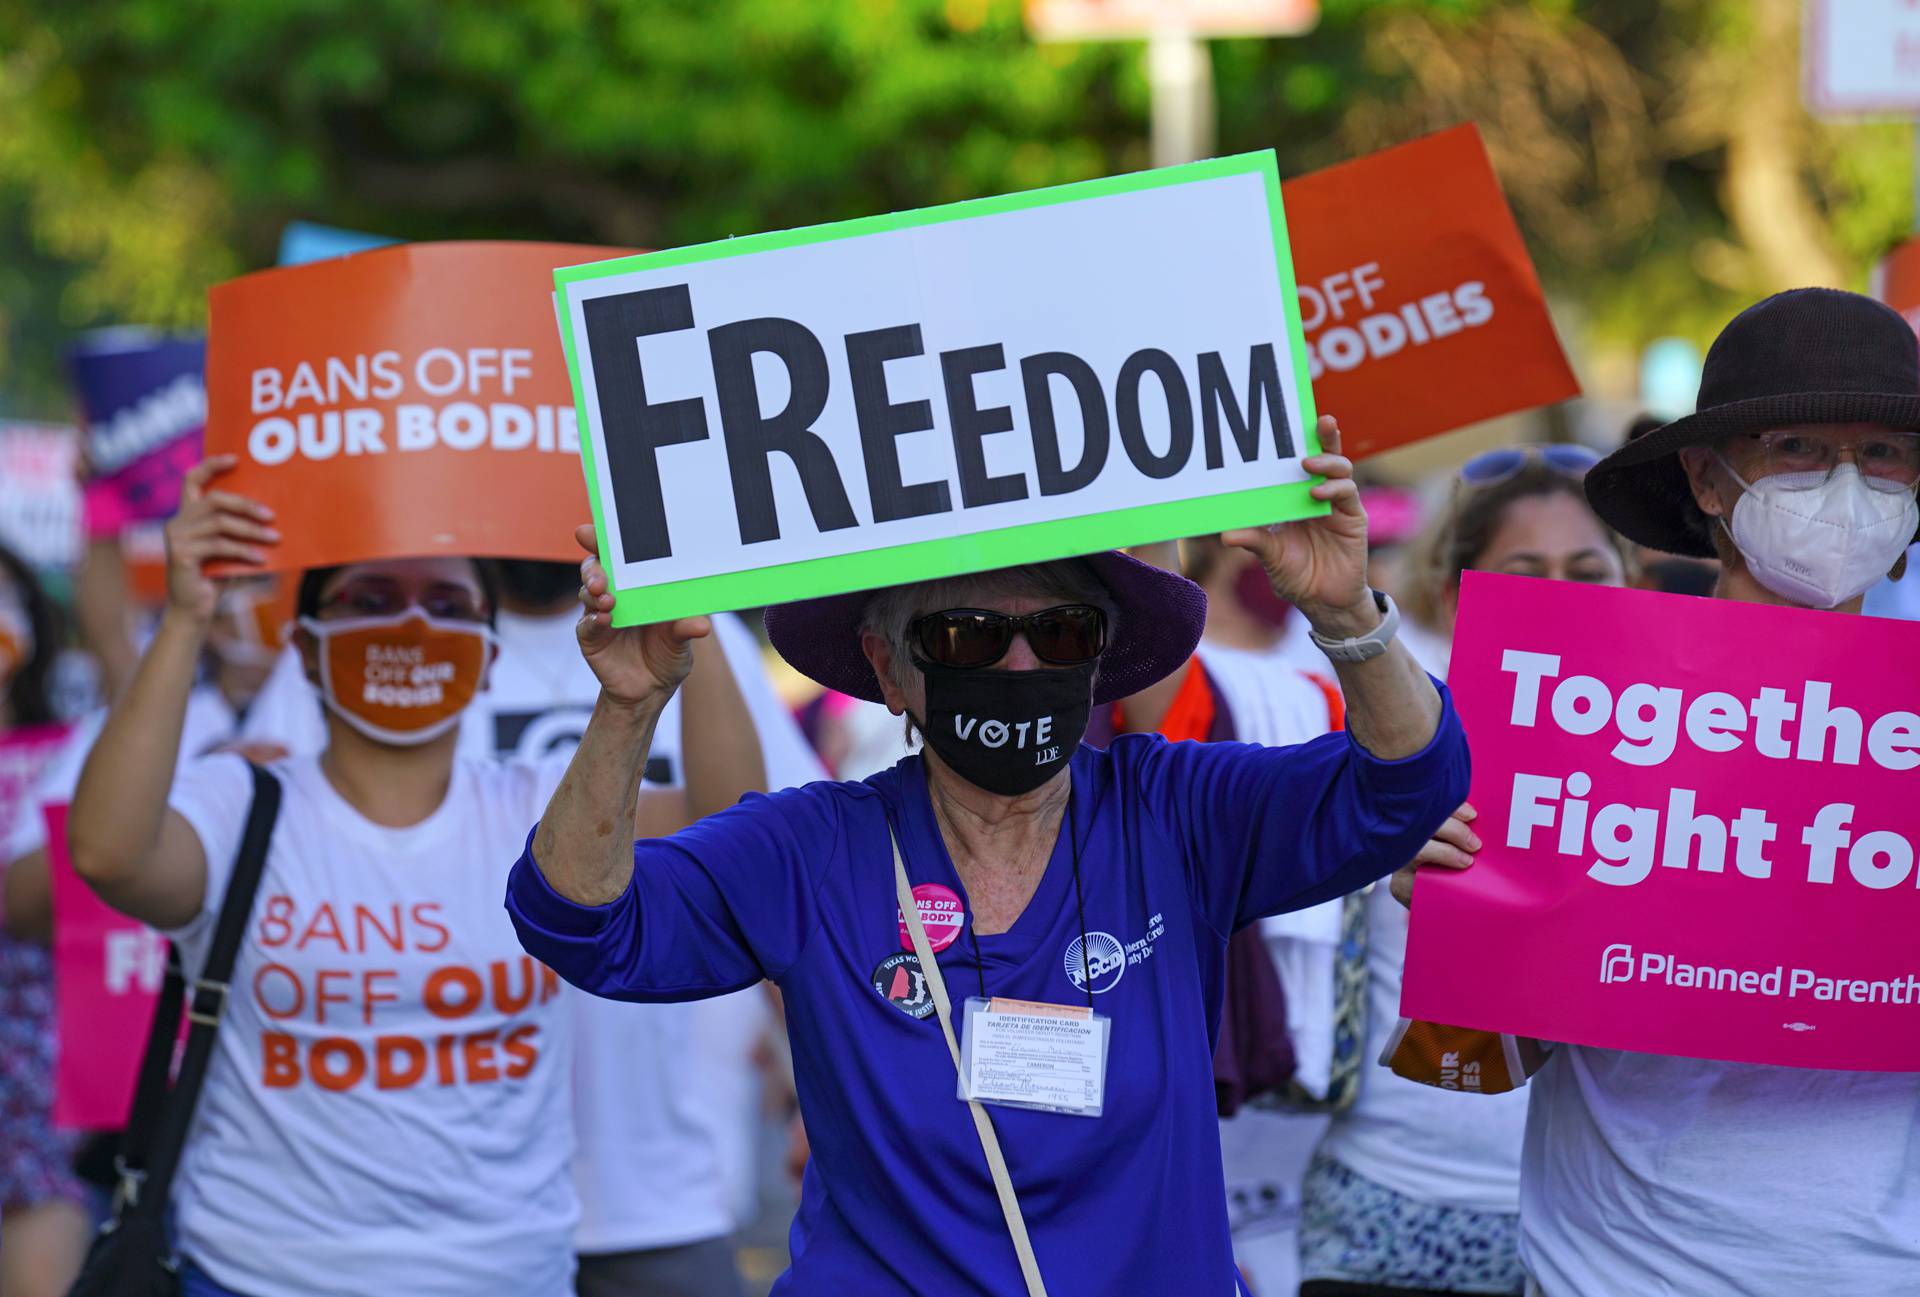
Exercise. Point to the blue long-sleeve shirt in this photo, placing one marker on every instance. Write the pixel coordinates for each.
(1179, 845)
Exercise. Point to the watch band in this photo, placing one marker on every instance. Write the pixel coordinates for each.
(1362, 648)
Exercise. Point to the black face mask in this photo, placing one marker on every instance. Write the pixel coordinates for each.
(1006, 731)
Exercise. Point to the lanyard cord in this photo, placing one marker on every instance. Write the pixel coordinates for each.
(1079, 910)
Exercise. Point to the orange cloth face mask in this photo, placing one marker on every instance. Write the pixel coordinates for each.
(401, 680)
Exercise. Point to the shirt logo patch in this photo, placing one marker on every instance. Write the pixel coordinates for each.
(900, 983)
(1105, 961)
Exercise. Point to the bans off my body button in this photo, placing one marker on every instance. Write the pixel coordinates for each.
(941, 915)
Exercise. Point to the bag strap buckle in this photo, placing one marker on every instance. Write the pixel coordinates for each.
(210, 1015)
(126, 1190)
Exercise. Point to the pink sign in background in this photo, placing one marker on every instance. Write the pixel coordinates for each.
(107, 971)
(1799, 948)
(143, 491)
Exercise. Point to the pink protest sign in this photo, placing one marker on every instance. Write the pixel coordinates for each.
(107, 971)
(1699, 820)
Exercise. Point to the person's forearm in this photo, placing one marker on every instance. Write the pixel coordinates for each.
(1393, 710)
(117, 809)
(584, 846)
(26, 914)
(100, 608)
(719, 746)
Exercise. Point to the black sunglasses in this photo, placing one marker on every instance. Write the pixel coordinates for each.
(1067, 635)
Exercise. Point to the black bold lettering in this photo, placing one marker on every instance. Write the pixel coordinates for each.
(971, 425)
(634, 429)
(882, 421)
(1263, 388)
(753, 438)
(1173, 386)
(1036, 374)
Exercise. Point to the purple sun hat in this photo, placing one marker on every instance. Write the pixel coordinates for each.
(1158, 617)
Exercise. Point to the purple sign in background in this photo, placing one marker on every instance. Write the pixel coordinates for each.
(145, 400)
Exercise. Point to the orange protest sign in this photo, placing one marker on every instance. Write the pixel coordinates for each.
(407, 401)
(1421, 309)
(1896, 280)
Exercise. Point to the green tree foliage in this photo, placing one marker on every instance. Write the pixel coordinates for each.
(1653, 149)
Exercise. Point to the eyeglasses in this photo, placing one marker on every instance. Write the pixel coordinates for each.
(1889, 460)
(1496, 466)
(1067, 635)
(377, 597)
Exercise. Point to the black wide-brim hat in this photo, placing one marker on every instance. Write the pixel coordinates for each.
(1806, 356)
(1158, 617)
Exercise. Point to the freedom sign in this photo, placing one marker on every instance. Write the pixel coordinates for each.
(1420, 317)
(403, 402)
(942, 391)
(1691, 848)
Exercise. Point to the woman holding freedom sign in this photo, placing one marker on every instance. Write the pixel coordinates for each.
(1648, 1174)
(1048, 920)
(387, 1108)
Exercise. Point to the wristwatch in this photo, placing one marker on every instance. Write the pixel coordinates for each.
(1362, 648)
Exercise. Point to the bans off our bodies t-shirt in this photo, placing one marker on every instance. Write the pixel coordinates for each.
(388, 1097)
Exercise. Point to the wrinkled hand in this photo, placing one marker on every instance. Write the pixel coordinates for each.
(1319, 565)
(211, 526)
(1451, 847)
(639, 664)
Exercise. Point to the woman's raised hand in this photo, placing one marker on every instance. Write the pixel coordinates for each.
(211, 526)
(637, 664)
(1319, 565)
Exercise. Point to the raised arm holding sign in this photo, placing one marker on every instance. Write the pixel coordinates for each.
(936, 392)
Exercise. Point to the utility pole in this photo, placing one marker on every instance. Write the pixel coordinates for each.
(1180, 77)
(1179, 64)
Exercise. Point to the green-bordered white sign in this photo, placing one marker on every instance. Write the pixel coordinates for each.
(943, 391)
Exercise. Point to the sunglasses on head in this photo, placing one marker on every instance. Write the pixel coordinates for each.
(1067, 635)
(1496, 466)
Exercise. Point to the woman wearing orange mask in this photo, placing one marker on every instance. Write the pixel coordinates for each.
(387, 1108)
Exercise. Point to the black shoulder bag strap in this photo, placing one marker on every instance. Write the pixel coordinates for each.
(160, 1117)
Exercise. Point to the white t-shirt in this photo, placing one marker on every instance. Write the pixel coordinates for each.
(387, 1109)
(665, 1094)
(1275, 704)
(1420, 1141)
(1265, 1153)
(209, 722)
(1674, 1177)
(1424, 1143)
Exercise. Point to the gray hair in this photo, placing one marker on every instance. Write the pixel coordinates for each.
(1068, 580)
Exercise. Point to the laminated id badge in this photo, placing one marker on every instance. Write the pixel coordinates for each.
(1026, 1054)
